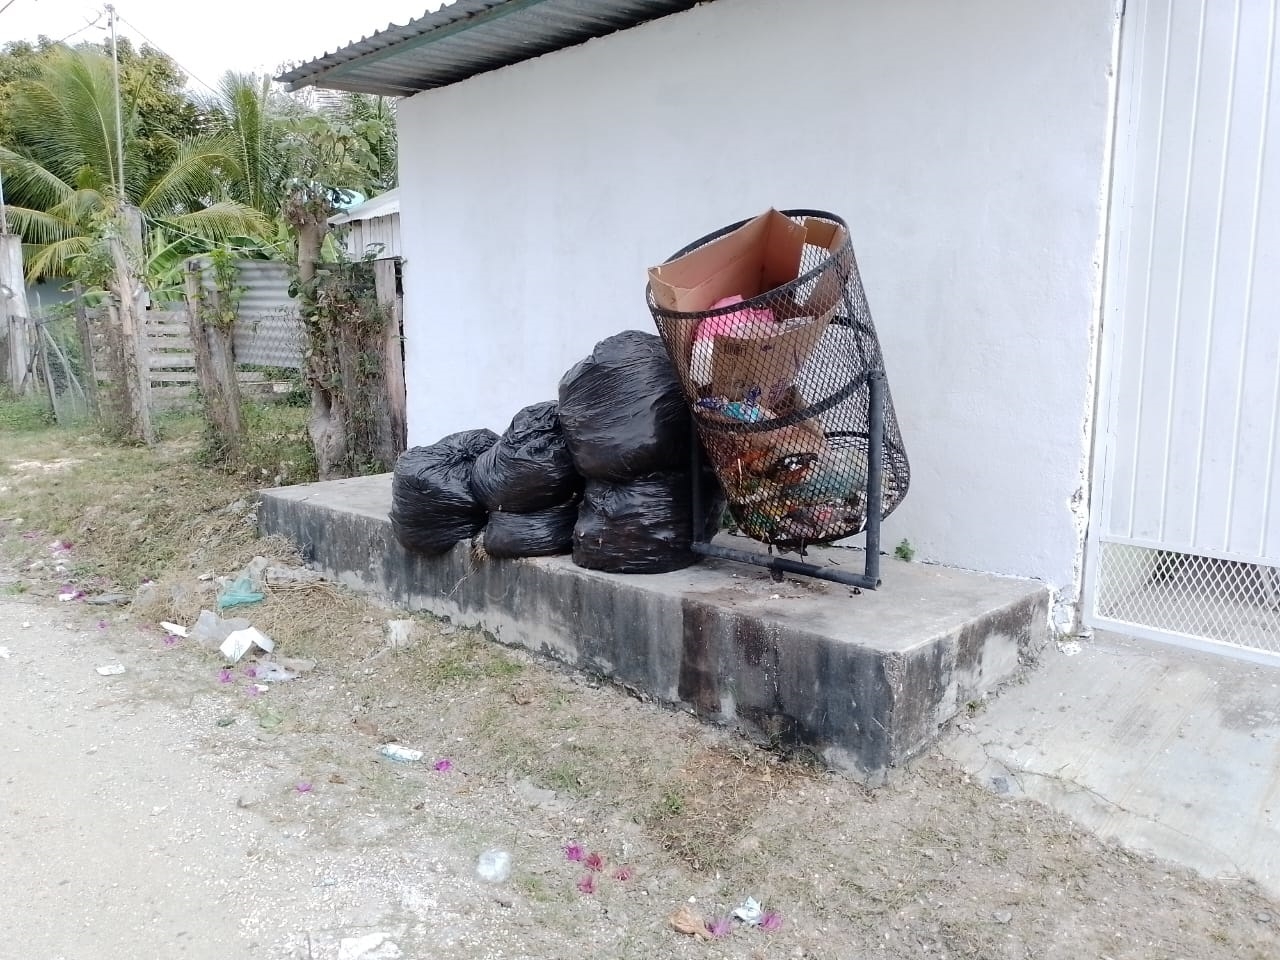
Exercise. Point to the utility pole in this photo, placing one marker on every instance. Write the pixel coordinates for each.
(115, 62)
(13, 303)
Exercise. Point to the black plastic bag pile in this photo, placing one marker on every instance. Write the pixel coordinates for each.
(432, 503)
(529, 485)
(628, 431)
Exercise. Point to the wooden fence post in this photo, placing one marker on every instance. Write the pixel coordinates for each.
(392, 350)
(215, 363)
(89, 367)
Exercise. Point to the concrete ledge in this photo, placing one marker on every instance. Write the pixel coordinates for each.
(867, 681)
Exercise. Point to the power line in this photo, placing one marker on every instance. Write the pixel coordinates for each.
(76, 33)
(157, 46)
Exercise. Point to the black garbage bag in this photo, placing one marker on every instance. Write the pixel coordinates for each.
(432, 506)
(542, 533)
(643, 526)
(529, 468)
(622, 411)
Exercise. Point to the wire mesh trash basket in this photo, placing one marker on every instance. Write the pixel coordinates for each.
(767, 324)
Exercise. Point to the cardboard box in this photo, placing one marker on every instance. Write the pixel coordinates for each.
(761, 255)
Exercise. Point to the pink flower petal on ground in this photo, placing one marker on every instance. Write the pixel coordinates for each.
(303, 787)
(771, 922)
(623, 873)
(170, 639)
(443, 765)
(252, 691)
(574, 852)
(102, 624)
(594, 862)
(587, 884)
(225, 676)
(250, 671)
(719, 927)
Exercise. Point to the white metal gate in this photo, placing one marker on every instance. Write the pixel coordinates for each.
(1184, 542)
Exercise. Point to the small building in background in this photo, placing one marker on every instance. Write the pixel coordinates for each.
(371, 229)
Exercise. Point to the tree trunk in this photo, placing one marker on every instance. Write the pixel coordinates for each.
(135, 371)
(330, 425)
(214, 350)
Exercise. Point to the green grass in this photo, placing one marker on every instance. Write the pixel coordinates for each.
(23, 414)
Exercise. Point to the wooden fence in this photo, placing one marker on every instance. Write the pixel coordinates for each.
(171, 363)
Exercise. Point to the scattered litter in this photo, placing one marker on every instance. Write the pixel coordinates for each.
(687, 922)
(67, 594)
(574, 852)
(587, 884)
(26, 624)
(4, 653)
(213, 630)
(205, 577)
(444, 765)
(719, 927)
(270, 672)
(256, 689)
(111, 670)
(1263, 917)
(400, 633)
(1069, 648)
(749, 912)
(1002, 916)
(494, 866)
(241, 642)
(372, 946)
(109, 600)
(176, 629)
(239, 593)
(393, 751)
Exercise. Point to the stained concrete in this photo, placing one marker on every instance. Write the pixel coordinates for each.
(865, 680)
(1167, 751)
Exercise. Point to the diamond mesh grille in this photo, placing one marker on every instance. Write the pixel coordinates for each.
(1223, 601)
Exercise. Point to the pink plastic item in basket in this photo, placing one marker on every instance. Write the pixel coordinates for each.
(750, 322)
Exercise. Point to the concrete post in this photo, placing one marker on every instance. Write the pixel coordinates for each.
(14, 312)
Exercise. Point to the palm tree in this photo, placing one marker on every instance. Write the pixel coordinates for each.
(63, 168)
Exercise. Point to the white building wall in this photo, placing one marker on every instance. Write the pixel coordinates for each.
(966, 145)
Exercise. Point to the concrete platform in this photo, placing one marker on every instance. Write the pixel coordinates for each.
(1168, 751)
(866, 681)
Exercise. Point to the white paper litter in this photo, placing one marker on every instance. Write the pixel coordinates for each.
(175, 629)
(241, 642)
(393, 751)
(111, 669)
(269, 672)
(66, 597)
(750, 912)
(4, 653)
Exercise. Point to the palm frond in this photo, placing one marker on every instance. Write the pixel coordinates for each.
(56, 259)
(37, 227)
(191, 181)
(219, 222)
(29, 183)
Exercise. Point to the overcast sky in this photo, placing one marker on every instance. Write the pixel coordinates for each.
(206, 39)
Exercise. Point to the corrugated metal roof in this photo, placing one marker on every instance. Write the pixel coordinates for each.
(468, 37)
(383, 205)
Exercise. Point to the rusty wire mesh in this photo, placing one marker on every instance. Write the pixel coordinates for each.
(778, 384)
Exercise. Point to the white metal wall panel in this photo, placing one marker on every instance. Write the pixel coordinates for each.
(1189, 449)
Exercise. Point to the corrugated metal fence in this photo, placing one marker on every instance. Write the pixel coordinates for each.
(268, 334)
